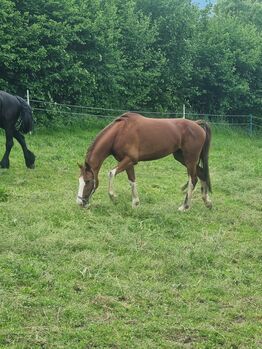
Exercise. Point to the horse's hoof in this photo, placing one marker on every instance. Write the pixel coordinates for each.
(4, 166)
(112, 197)
(32, 166)
(135, 203)
(183, 208)
(208, 204)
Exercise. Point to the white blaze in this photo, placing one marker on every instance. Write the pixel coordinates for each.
(80, 190)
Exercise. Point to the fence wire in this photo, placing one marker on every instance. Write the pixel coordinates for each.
(50, 111)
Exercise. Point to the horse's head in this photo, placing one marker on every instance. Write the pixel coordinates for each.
(87, 185)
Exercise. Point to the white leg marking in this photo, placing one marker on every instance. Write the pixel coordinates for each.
(190, 191)
(111, 176)
(80, 190)
(187, 202)
(205, 195)
(135, 198)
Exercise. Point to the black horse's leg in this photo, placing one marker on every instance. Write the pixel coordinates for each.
(4, 163)
(28, 155)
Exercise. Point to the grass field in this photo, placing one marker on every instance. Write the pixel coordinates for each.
(116, 277)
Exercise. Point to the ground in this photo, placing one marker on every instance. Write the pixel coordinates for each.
(116, 277)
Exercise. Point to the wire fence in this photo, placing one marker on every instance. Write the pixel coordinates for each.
(46, 112)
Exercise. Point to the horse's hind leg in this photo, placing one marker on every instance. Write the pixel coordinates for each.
(192, 181)
(205, 196)
(4, 163)
(178, 155)
(132, 179)
(199, 171)
(28, 155)
(204, 187)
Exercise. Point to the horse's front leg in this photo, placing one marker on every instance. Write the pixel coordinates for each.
(4, 163)
(28, 155)
(132, 179)
(122, 166)
(111, 177)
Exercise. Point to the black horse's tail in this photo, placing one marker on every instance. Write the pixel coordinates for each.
(26, 124)
(205, 152)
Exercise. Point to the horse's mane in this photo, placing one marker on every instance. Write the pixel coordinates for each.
(102, 132)
(124, 117)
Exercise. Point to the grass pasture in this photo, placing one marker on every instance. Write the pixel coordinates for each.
(116, 277)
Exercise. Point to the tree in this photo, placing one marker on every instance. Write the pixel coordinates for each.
(10, 30)
(134, 54)
(247, 11)
(227, 70)
(176, 23)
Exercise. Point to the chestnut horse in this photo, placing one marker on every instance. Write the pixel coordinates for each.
(132, 138)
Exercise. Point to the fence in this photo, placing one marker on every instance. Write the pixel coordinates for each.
(48, 111)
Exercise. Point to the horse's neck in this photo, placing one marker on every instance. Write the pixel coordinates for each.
(102, 146)
(100, 150)
(95, 159)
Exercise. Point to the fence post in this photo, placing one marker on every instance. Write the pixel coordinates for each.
(184, 111)
(28, 102)
(27, 97)
(250, 125)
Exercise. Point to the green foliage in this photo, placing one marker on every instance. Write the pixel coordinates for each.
(176, 24)
(247, 11)
(227, 60)
(141, 61)
(10, 34)
(116, 277)
(137, 54)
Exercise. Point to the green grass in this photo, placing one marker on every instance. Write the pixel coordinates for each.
(116, 277)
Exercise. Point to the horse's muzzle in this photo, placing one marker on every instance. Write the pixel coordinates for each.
(81, 201)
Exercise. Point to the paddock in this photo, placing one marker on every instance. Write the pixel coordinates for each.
(117, 277)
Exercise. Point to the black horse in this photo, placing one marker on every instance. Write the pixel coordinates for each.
(15, 116)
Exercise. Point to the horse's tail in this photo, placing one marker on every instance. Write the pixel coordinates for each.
(205, 152)
(26, 124)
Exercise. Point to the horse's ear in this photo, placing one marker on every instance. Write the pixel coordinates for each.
(88, 168)
(80, 166)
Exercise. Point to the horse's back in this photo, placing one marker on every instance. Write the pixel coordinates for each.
(150, 138)
(189, 128)
(9, 108)
(174, 128)
(8, 102)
